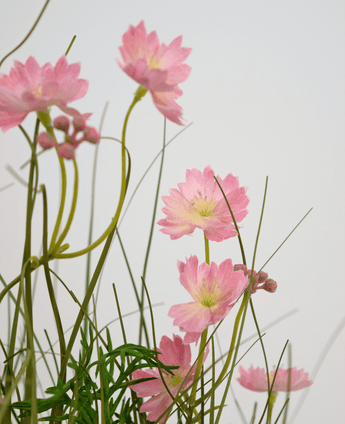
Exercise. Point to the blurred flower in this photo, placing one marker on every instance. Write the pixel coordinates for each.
(199, 203)
(157, 67)
(31, 88)
(260, 280)
(80, 129)
(174, 352)
(256, 379)
(214, 290)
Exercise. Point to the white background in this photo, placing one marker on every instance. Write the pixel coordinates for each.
(266, 98)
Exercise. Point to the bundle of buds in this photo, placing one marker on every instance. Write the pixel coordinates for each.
(259, 280)
(66, 149)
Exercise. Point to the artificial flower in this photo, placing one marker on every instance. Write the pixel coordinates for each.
(157, 67)
(199, 203)
(30, 87)
(259, 280)
(214, 290)
(256, 379)
(173, 352)
(81, 132)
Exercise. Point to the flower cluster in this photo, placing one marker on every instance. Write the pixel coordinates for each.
(259, 280)
(81, 132)
(256, 379)
(157, 67)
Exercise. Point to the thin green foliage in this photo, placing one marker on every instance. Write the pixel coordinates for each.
(153, 222)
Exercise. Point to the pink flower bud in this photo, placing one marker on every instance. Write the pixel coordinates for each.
(46, 140)
(270, 285)
(66, 151)
(79, 123)
(62, 123)
(91, 135)
(262, 276)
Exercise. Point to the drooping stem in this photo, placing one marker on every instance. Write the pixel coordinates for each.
(138, 95)
(27, 254)
(109, 236)
(63, 235)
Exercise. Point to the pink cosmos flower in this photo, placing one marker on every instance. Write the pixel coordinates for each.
(31, 88)
(199, 203)
(259, 280)
(157, 67)
(174, 352)
(81, 132)
(256, 379)
(214, 290)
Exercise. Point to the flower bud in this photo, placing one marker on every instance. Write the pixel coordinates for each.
(270, 285)
(91, 135)
(66, 151)
(62, 123)
(46, 140)
(79, 123)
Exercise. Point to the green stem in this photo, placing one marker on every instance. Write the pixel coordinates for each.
(48, 279)
(63, 235)
(138, 95)
(153, 223)
(94, 279)
(198, 370)
(62, 204)
(29, 389)
(207, 250)
(231, 349)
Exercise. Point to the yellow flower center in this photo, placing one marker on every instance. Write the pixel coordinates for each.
(176, 380)
(154, 62)
(202, 204)
(209, 297)
(38, 91)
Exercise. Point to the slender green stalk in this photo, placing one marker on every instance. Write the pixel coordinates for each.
(92, 209)
(110, 230)
(28, 35)
(63, 235)
(207, 250)
(271, 387)
(53, 302)
(230, 352)
(234, 221)
(133, 284)
(29, 389)
(197, 371)
(62, 204)
(261, 341)
(153, 223)
(109, 237)
(155, 348)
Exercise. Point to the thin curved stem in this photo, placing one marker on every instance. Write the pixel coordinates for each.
(72, 211)
(139, 94)
(28, 35)
(62, 203)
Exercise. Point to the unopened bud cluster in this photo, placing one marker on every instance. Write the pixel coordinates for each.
(81, 132)
(259, 280)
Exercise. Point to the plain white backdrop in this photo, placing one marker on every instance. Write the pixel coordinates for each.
(266, 98)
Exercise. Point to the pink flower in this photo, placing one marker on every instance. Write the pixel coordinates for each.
(157, 67)
(199, 203)
(259, 280)
(174, 352)
(214, 290)
(31, 88)
(256, 379)
(80, 129)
